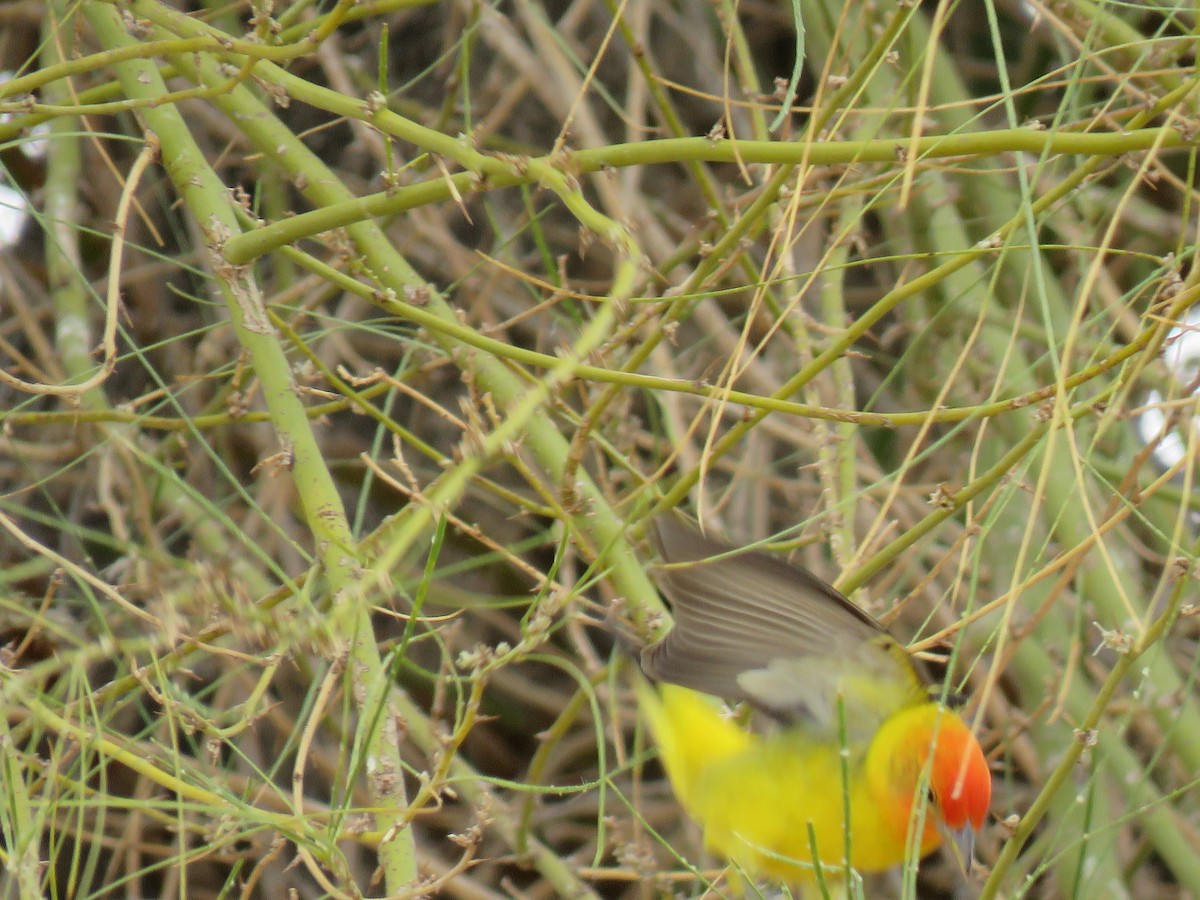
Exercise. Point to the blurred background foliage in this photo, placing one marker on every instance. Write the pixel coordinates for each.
(347, 347)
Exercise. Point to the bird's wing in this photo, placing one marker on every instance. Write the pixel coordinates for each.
(749, 626)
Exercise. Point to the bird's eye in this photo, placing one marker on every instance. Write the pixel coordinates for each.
(956, 699)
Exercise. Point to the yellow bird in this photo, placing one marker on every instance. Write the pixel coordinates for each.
(840, 695)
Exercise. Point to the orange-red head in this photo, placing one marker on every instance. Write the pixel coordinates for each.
(960, 778)
(926, 741)
(961, 784)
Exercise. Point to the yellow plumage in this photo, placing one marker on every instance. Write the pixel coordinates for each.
(764, 798)
(756, 796)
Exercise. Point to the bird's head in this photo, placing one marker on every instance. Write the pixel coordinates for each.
(930, 749)
(960, 783)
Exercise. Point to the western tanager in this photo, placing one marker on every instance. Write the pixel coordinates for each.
(838, 695)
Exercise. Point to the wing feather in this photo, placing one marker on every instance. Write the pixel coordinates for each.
(749, 626)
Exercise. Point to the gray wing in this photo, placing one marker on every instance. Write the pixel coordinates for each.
(749, 626)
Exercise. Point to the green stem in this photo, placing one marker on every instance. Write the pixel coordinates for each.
(206, 198)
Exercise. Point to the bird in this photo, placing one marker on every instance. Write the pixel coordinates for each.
(848, 759)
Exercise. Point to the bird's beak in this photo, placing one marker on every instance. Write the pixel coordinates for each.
(961, 842)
